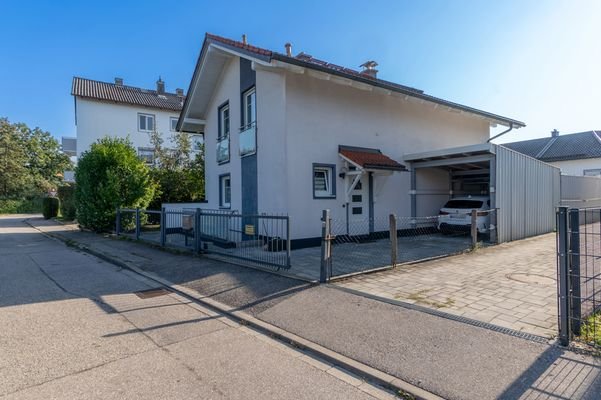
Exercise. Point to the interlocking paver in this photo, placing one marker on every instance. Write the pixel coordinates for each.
(482, 285)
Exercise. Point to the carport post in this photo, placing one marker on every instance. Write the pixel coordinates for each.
(563, 261)
(474, 227)
(574, 271)
(325, 271)
(393, 239)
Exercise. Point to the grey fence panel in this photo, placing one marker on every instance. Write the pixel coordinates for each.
(580, 191)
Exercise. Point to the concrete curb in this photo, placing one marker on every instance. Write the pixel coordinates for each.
(402, 388)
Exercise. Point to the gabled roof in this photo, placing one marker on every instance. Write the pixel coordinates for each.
(306, 61)
(574, 146)
(369, 158)
(111, 92)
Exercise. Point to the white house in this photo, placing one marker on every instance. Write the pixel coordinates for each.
(296, 135)
(115, 109)
(576, 154)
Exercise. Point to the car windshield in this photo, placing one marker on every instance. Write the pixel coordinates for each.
(463, 204)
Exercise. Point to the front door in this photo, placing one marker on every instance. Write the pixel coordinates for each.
(358, 212)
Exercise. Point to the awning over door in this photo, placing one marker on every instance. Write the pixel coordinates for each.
(368, 159)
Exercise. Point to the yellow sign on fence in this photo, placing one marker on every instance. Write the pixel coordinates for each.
(249, 229)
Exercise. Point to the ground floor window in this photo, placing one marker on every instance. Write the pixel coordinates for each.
(225, 191)
(146, 154)
(324, 182)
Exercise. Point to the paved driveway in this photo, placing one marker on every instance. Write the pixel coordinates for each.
(512, 285)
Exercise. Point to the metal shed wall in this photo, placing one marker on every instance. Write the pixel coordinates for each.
(527, 192)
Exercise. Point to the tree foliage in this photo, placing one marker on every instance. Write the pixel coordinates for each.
(31, 162)
(110, 175)
(179, 170)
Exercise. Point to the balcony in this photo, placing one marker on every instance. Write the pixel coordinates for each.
(248, 139)
(223, 149)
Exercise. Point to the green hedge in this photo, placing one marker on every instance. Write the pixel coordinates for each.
(50, 206)
(20, 206)
(66, 195)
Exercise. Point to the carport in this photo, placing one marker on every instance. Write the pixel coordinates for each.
(523, 190)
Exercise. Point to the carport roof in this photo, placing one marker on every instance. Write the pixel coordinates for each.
(456, 156)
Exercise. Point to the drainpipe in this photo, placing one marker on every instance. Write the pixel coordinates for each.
(502, 133)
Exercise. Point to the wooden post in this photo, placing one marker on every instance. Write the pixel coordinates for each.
(474, 230)
(393, 239)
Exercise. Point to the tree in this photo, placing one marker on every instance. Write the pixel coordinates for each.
(110, 175)
(179, 171)
(31, 162)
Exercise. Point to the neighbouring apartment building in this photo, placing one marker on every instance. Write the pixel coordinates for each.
(115, 109)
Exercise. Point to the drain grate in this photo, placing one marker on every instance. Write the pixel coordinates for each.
(150, 293)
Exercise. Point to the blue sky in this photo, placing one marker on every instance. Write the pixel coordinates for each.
(536, 61)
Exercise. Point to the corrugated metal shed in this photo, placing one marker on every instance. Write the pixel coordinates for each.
(527, 192)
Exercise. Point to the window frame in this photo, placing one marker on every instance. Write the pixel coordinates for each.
(222, 203)
(148, 151)
(246, 123)
(146, 116)
(221, 134)
(330, 170)
(173, 128)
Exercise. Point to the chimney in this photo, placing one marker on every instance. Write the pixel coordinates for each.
(179, 92)
(554, 133)
(244, 42)
(369, 69)
(160, 86)
(119, 81)
(288, 47)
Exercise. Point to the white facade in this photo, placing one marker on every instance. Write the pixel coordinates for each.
(587, 166)
(97, 119)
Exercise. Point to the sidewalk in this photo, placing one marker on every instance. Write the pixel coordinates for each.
(449, 358)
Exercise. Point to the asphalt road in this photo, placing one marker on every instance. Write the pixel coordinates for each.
(76, 327)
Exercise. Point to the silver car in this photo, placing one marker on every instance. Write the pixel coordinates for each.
(456, 214)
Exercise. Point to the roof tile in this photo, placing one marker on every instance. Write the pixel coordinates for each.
(369, 158)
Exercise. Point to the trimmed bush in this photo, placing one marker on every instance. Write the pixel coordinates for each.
(21, 206)
(66, 195)
(50, 207)
(108, 176)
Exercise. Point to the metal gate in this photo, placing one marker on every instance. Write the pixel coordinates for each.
(579, 275)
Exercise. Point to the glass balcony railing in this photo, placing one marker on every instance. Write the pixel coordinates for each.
(248, 139)
(223, 149)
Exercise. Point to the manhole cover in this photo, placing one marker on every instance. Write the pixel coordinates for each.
(150, 293)
(532, 279)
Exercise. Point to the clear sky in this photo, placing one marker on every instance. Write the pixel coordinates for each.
(532, 60)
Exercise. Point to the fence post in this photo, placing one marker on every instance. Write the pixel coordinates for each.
(197, 243)
(563, 267)
(325, 274)
(163, 226)
(137, 223)
(288, 243)
(118, 222)
(393, 239)
(574, 271)
(474, 230)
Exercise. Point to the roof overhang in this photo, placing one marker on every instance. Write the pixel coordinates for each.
(367, 159)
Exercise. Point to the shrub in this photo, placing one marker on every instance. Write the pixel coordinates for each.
(21, 206)
(50, 207)
(66, 194)
(108, 176)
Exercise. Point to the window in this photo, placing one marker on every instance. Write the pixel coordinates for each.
(324, 184)
(357, 198)
(225, 191)
(592, 172)
(249, 107)
(357, 210)
(146, 154)
(197, 141)
(464, 204)
(224, 121)
(146, 122)
(173, 124)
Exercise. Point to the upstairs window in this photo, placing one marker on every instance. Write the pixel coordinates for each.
(324, 185)
(146, 122)
(249, 107)
(224, 121)
(172, 124)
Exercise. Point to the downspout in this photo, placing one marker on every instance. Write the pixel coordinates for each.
(502, 133)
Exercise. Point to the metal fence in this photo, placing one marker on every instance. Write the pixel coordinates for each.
(260, 240)
(357, 246)
(579, 275)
